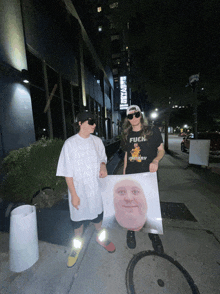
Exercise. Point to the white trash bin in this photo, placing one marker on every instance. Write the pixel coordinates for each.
(23, 239)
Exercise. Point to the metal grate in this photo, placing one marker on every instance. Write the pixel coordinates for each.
(179, 211)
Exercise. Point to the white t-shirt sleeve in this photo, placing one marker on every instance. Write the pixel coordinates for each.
(101, 150)
(65, 165)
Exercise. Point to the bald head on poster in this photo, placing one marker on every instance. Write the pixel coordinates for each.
(130, 204)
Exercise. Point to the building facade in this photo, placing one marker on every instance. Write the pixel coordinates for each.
(48, 46)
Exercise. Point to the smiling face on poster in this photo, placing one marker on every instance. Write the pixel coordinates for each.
(132, 201)
(130, 204)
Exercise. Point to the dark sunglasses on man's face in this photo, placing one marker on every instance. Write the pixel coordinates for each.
(131, 115)
(91, 121)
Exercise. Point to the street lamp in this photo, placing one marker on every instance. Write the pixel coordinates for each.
(193, 81)
(154, 115)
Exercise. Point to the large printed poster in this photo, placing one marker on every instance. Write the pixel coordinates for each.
(132, 201)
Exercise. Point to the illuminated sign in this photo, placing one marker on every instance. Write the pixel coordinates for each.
(123, 93)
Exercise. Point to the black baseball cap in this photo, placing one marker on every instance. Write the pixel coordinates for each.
(84, 115)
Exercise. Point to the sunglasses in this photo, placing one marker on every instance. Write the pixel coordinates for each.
(131, 115)
(91, 121)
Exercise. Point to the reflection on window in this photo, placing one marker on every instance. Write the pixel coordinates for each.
(114, 37)
(116, 55)
(112, 25)
(57, 120)
(66, 90)
(113, 5)
(53, 79)
(92, 101)
(38, 99)
(76, 102)
(68, 118)
(35, 70)
(116, 61)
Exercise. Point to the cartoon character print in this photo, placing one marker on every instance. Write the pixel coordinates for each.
(135, 153)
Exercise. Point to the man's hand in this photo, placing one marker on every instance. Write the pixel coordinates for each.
(153, 166)
(103, 171)
(75, 200)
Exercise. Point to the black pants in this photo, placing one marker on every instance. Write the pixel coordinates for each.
(96, 220)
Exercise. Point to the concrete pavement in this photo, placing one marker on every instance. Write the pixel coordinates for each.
(190, 207)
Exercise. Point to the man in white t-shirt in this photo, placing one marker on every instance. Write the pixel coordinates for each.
(82, 162)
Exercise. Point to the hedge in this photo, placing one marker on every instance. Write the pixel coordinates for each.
(30, 169)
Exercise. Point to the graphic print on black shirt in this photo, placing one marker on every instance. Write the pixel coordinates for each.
(142, 151)
(135, 154)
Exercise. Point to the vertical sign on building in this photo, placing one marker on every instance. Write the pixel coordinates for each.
(123, 93)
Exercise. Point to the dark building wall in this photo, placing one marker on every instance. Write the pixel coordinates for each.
(16, 116)
(93, 87)
(47, 36)
(16, 119)
(108, 102)
(110, 76)
(52, 35)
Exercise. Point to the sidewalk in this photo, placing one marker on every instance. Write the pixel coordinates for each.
(191, 263)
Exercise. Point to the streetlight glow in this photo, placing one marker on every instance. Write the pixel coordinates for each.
(154, 115)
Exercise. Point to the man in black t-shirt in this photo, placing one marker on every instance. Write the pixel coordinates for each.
(143, 146)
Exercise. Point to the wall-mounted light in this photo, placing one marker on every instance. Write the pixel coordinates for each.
(25, 77)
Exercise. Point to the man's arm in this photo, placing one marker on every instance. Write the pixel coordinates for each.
(125, 162)
(103, 171)
(160, 154)
(75, 200)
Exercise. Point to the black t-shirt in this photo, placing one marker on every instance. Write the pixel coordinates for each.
(141, 150)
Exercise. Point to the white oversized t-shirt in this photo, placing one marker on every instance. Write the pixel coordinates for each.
(80, 159)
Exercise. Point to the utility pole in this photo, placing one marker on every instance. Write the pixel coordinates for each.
(193, 82)
(194, 88)
(167, 119)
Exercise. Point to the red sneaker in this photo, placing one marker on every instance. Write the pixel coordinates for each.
(104, 242)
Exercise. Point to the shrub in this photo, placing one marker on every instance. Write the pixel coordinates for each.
(30, 169)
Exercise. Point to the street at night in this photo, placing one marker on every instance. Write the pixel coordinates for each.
(190, 264)
(109, 112)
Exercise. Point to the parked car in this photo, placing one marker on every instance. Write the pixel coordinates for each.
(213, 137)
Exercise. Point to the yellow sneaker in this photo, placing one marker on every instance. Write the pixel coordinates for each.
(77, 246)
